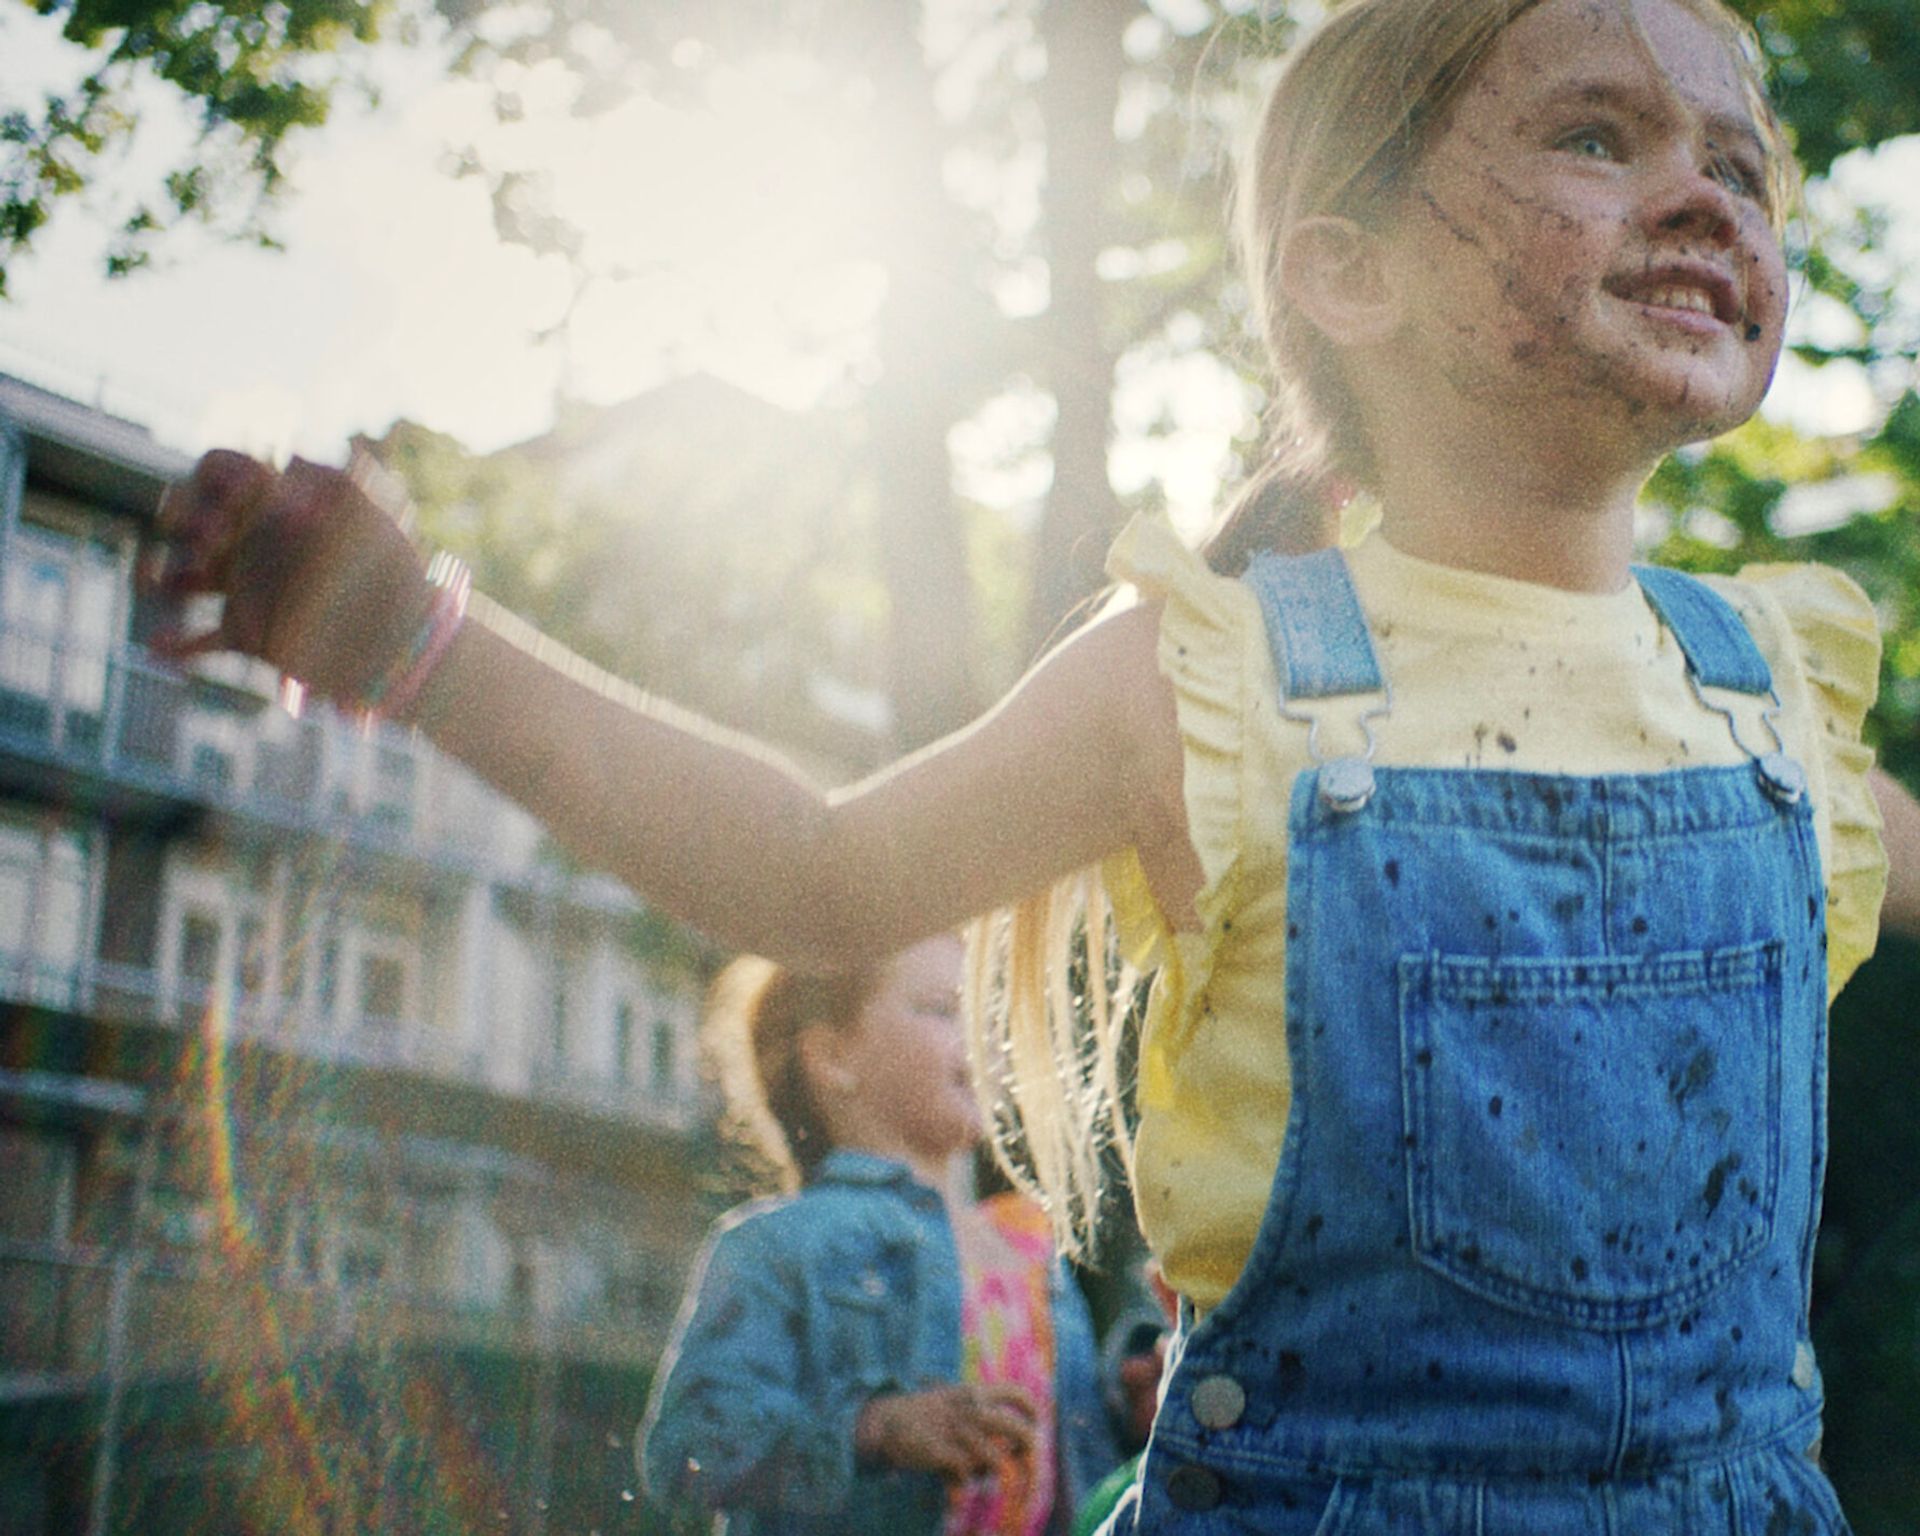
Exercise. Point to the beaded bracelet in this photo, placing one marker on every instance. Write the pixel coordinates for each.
(398, 687)
(396, 691)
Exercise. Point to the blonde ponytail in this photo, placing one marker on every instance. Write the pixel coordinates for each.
(1048, 1000)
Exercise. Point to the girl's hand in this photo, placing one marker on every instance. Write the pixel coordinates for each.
(318, 577)
(958, 1432)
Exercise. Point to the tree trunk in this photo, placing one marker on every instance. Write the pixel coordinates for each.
(923, 390)
(1077, 359)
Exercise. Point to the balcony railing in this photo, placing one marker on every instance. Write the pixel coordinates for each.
(123, 717)
(41, 981)
(189, 1313)
(570, 1083)
(140, 994)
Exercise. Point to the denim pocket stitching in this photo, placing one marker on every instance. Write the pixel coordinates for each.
(1433, 987)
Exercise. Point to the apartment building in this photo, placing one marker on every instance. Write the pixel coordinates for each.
(352, 1148)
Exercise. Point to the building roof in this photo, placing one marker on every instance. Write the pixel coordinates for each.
(87, 452)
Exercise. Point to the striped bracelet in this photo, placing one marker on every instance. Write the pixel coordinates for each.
(400, 686)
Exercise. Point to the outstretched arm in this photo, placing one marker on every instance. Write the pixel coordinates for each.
(1900, 813)
(1079, 761)
(730, 838)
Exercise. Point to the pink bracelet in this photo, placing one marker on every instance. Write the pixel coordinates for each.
(396, 691)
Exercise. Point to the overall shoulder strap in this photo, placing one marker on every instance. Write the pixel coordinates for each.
(1321, 646)
(1719, 651)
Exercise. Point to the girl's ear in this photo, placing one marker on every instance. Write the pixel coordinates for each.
(821, 1051)
(1334, 271)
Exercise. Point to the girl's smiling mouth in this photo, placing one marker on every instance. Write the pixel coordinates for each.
(1689, 292)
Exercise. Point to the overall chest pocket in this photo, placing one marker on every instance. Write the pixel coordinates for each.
(1594, 1141)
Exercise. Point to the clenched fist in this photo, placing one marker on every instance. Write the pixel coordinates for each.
(319, 579)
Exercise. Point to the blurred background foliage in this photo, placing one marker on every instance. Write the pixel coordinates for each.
(1052, 171)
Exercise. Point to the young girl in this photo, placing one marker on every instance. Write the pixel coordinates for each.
(1495, 889)
(868, 1352)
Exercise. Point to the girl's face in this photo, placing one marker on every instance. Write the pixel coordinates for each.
(897, 1081)
(1586, 245)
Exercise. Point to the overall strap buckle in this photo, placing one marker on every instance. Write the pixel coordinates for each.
(1721, 654)
(1322, 649)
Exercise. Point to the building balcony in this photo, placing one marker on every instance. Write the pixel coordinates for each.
(119, 732)
(143, 996)
(233, 1312)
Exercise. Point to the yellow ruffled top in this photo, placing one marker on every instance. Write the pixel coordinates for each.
(1484, 673)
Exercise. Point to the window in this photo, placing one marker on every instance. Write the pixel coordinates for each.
(623, 1042)
(363, 1257)
(327, 983)
(43, 909)
(63, 900)
(293, 976)
(19, 856)
(393, 770)
(199, 957)
(59, 602)
(286, 759)
(383, 990)
(520, 1281)
(253, 958)
(90, 631)
(211, 767)
(660, 1068)
(35, 599)
(36, 1198)
(301, 1253)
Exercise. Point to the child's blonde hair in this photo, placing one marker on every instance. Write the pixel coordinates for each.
(756, 1012)
(1346, 123)
(1344, 127)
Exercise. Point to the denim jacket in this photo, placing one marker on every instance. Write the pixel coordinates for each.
(800, 1310)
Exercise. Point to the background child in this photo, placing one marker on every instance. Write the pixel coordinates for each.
(872, 1351)
(1495, 895)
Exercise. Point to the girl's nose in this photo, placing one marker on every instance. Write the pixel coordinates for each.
(1692, 198)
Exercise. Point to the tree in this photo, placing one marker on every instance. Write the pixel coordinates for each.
(254, 76)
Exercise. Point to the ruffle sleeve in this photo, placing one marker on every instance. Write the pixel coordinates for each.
(1205, 625)
(1833, 623)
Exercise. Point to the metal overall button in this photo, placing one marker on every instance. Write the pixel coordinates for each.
(1193, 1489)
(1218, 1402)
(1782, 777)
(1346, 783)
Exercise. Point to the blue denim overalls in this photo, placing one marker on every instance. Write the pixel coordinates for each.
(1537, 1253)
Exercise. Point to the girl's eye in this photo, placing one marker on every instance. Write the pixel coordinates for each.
(1590, 144)
(1737, 176)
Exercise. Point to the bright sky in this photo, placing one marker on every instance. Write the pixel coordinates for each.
(393, 298)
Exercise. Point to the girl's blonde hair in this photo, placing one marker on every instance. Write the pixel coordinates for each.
(1345, 125)
(756, 1012)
